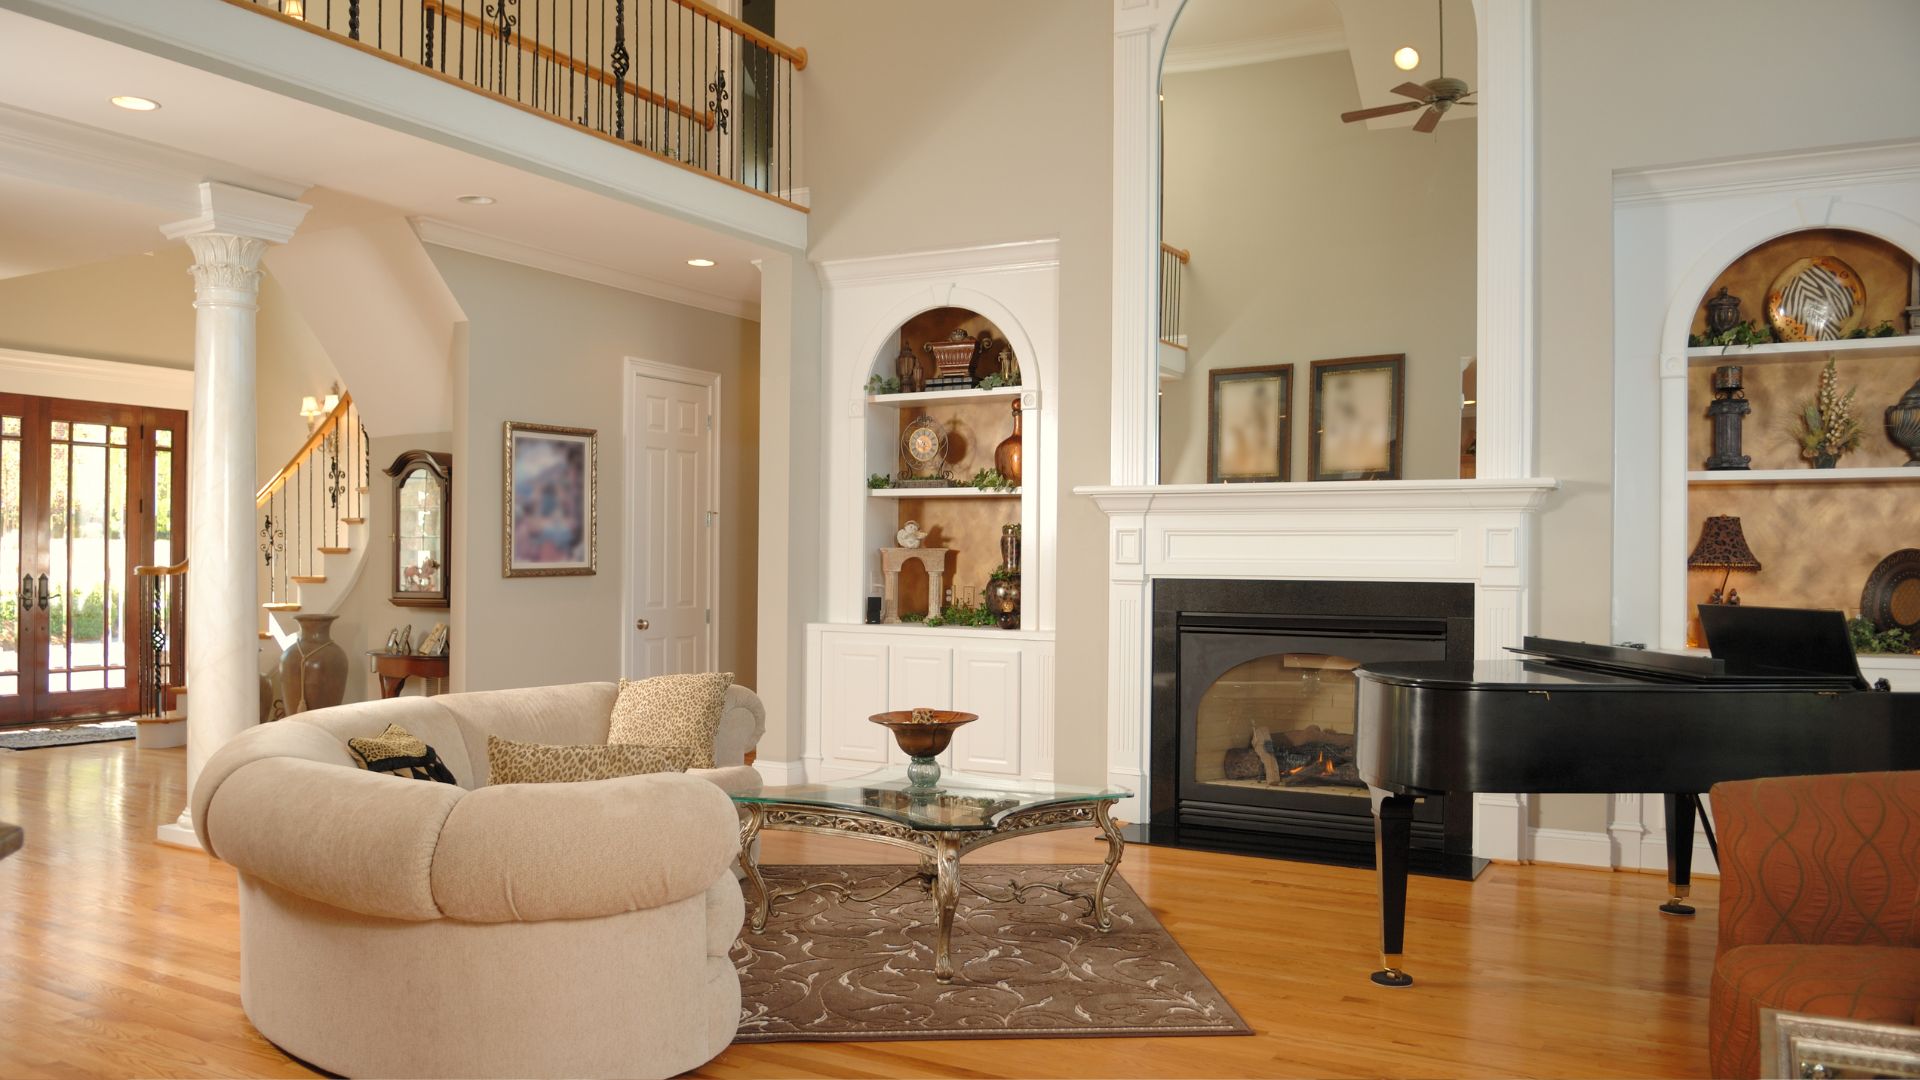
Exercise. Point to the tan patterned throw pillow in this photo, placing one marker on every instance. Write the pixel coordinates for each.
(536, 763)
(671, 710)
(400, 752)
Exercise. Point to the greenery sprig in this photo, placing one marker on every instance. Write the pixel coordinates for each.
(876, 481)
(1828, 427)
(1869, 639)
(878, 384)
(1885, 329)
(991, 480)
(1744, 333)
(961, 615)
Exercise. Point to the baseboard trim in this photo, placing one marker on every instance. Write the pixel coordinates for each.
(1570, 847)
(174, 834)
(781, 773)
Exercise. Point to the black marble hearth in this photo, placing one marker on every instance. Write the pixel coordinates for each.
(1253, 715)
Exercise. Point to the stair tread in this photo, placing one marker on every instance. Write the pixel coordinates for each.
(333, 550)
(308, 579)
(281, 607)
(353, 521)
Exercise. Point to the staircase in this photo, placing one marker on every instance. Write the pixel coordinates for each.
(312, 524)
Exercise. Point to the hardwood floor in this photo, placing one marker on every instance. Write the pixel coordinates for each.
(118, 958)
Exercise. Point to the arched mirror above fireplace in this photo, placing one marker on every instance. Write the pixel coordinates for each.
(1319, 299)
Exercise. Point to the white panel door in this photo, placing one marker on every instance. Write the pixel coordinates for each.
(670, 483)
(986, 682)
(919, 677)
(854, 688)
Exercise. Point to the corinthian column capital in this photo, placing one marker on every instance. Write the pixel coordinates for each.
(226, 267)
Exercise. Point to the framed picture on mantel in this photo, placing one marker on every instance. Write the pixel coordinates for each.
(1250, 424)
(550, 526)
(1359, 409)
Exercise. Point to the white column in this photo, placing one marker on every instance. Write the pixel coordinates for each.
(223, 613)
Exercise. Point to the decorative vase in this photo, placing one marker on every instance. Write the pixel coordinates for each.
(1006, 457)
(923, 735)
(1723, 313)
(1003, 590)
(1825, 461)
(313, 670)
(1903, 423)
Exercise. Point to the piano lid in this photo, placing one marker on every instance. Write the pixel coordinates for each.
(1753, 648)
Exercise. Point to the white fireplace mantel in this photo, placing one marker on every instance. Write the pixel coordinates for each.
(1480, 532)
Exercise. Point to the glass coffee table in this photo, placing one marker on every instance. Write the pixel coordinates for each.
(963, 813)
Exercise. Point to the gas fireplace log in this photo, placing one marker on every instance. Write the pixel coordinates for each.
(1243, 764)
(1269, 764)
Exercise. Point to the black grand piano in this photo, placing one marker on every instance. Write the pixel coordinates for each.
(1781, 695)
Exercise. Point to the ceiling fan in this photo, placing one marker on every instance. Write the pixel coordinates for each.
(1434, 95)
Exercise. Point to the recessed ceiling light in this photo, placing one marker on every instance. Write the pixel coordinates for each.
(699, 262)
(135, 104)
(1406, 58)
(476, 200)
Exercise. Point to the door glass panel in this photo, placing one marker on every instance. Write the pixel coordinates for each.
(90, 433)
(57, 526)
(10, 564)
(163, 501)
(114, 540)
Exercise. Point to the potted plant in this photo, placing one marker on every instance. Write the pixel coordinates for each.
(1828, 429)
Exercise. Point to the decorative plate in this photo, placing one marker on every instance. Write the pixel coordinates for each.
(1816, 299)
(923, 446)
(1892, 595)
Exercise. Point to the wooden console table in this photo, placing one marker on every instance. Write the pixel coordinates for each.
(395, 669)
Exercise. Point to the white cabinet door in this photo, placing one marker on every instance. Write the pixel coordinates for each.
(919, 677)
(986, 682)
(855, 688)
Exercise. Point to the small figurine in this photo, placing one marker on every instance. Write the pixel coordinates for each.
(1009, 371)
(910, 535)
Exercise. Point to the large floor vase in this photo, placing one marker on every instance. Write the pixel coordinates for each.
(313, 670)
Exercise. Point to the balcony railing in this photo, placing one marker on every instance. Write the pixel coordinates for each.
(1173, 280)
(679, 80)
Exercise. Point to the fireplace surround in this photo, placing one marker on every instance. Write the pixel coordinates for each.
(1253, 714)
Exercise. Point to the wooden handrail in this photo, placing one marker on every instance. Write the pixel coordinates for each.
(161, 571)
(293, 464)
(712, 14)
(578, 67)
(1179, 253)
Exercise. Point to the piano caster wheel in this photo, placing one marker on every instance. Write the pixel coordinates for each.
(1392, 977)
(1675, 907)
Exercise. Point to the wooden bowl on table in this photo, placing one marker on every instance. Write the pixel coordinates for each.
(923, 734)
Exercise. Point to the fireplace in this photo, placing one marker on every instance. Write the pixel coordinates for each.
(1253, 714)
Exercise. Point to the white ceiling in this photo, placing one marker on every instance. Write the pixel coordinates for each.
(227, 130)
(1224, 33)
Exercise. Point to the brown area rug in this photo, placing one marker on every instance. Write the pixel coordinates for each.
(831, 967)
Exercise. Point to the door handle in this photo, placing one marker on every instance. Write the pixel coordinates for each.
(43, 592)
(642, 624)
(26, 592)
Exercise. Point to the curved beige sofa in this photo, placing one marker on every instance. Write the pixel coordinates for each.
(394, 927)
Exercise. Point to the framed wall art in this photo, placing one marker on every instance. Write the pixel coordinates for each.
(550, 524)
(1359, 411)
(1250, 424)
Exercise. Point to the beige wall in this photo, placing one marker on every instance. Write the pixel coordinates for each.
(1687, 81)
(366, 617)
(1315, 240)
(933, 125)
(549, 349)
(139, 309)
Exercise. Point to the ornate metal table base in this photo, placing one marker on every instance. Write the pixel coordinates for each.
(940, 851)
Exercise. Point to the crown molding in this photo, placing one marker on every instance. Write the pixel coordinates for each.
(59, 153)
(1189, 58)
(1874, 163)
(459, 238)
(987, 258)
(88, 379)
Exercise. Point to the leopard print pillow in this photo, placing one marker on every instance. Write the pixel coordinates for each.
(671, 710)
(400, 752)
(535, 763)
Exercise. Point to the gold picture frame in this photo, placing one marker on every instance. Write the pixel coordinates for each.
(549, 512)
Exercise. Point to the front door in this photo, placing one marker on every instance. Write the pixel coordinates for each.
(87, 493)
(670, 457)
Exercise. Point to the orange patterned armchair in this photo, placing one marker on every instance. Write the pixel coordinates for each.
(1819, 885)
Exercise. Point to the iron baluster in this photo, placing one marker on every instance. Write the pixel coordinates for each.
(353, 19)
(619, 63)
(426, 36)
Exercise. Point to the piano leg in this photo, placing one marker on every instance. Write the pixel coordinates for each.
(1680, 818)
(1392, 846)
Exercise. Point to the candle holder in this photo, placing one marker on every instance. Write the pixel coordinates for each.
(1728, 411)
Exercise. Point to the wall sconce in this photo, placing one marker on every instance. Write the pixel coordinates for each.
(294, 9)
(315, 409)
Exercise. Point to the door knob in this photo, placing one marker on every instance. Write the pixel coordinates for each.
(641, 624)
(26, 592)
(43, 592)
